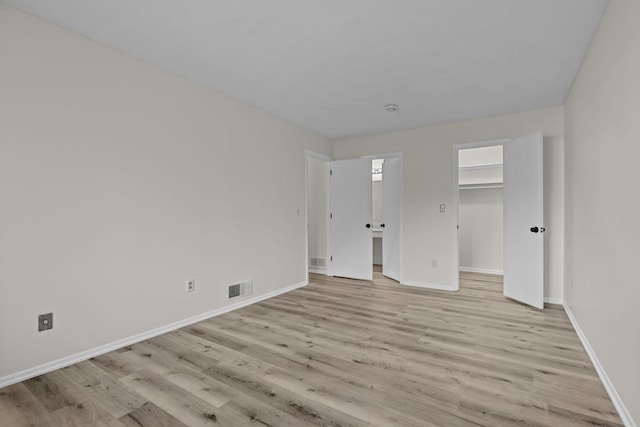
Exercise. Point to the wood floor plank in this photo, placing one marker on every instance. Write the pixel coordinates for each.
(54, 392)
(19, 407)
(114, 364)
(100, 388)
(149, 415)
(174, 400)
(87, 413)
(338, 352)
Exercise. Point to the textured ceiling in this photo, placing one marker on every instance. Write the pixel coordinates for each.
(332, 65)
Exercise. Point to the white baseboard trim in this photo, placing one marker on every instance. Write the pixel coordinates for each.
(429, 285)
(318, 270)
(558, 301)
(608, 385)
(97, 351)
(481, 270)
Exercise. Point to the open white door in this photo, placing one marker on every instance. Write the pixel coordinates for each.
(351, 219)
(391, 209)
(523, 220)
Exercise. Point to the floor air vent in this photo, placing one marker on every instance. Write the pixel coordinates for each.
(242, 288)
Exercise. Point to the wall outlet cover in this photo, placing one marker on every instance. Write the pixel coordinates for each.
(45, 322)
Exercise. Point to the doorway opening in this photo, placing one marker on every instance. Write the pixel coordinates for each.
(377, 212)
(317, 213)
(387, 180)
(340, 215)
(480, 216)
(523, 216)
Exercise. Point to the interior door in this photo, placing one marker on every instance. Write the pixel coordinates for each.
(351, 240)
(523, 220)
(391, 211)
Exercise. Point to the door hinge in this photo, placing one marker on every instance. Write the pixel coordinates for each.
(332, 258)
(330, 172)
(331, 215)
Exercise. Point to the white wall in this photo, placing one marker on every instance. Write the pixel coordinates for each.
(119, 181)
(318, 211)
(480, 156)
(602, 203)
(428, 177)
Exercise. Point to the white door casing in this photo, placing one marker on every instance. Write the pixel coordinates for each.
(524, 220)
(391, 210)
(351, 211)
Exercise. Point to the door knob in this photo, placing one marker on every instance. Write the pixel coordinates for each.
(381, 225)
(368, 225)
(534, 229)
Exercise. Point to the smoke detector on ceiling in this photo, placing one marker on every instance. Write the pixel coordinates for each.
(391, 108)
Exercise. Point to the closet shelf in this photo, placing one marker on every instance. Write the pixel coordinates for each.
(480, 185)
(481, 166)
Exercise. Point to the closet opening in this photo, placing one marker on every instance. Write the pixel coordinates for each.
(480, 215)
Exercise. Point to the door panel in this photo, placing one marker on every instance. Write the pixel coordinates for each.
(523, 220)
(351, 211)
(391, 211)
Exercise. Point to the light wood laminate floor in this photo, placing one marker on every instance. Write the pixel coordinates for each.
(338, 352)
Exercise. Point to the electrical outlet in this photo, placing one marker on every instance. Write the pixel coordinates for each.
(45, 322)
(434, 263)
(442, 207)
(191, 285)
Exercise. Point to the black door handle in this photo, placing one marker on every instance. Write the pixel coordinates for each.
(368, 225)
(381, 225)
(534, 229)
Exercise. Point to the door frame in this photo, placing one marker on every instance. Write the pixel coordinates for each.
(308, 154)
(455, 200)
(400, 156)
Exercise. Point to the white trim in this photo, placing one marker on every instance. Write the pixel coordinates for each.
(394, 155)
(309, 153)
(429, 286)
(549, 300)
(327, 215)
(608, 385)
(483, 186)
(481, 166)
(455, 203)
(481, 270)
(97, 351)
(318, 270)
